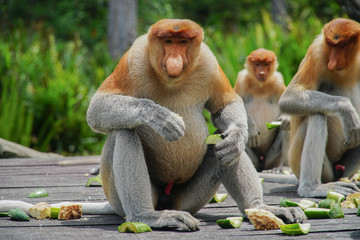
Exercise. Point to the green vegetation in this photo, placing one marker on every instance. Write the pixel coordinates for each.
(53, 57)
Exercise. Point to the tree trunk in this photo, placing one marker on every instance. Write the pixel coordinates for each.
(122, 26)
(278, 11)
(351, 7)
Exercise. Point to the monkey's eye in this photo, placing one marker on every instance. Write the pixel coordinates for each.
(183, 41)
(168, 41)
(257, 64)
(266, 64)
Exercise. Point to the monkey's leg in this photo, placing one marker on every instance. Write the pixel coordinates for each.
(254, 158)
(312, 161)
(351, 161)
(273, 154)
(127, 185)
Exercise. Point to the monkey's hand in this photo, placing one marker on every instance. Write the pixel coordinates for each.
(254, 134)
(228, 150)
(351, 124)
(321, 190)
(285, 122)
(168, 219)
(288, 215)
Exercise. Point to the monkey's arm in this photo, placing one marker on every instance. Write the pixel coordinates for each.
(231, 121)
(253, 130)
(108, 112)
(308, 102)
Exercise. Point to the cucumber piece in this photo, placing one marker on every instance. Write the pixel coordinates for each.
(273, 124)
(304, 204)
(354, 197)
(338, 197)
(38, 193)
(213, 139)
(230, 222)
(336, 211)
(40, 210)
(96, 179)
(317, 212)
(348, 204)
(134, 227)
(18, 215)
(54, 212)
(295, 228)
(358, 211)
(218, 197)
(285, 202)
(327, 203)
(261, 180)
(4, 214)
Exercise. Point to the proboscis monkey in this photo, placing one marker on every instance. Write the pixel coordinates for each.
(155, 166)
(260, 87)
(323, 99)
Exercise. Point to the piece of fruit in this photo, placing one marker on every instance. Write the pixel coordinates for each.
(336, 211)
(96, 179)
(338, 197)
(4, 214)
(54, 212)
(358, 211)
(230, 222)
(326, 203)
(354, 197)
(69, 212)
(38, 193)
(304, 204)
(295, 228)
(317, 213)
(273, 124)
(134, 227)
(40, 210)
(213, 139)
(285, 202)
(18, 215)
(347, 204)
(263, 220)
(218, 197)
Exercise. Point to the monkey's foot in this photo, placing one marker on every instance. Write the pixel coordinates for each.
(288, 215)
(321, 190)
(180, 220)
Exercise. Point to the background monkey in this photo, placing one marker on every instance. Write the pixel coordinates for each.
(155, 157)
(261, 86)
(324, 100)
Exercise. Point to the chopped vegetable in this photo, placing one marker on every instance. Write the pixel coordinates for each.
(336, 211)
(134, 227)
(218, 197)
(273, 124)
(317, 213)
(38, 193)
(96, 179)
(54, 212)
(347, 204)
(285, 202)
(261, 180)
(40, 210)
(213, 139)
(18, 215)
(327, 203)
(295, 228)
(338, 197)
(358, 211)
(354, 197)
(230, 222)
(4, 214)
(70, 212)
(263, 220)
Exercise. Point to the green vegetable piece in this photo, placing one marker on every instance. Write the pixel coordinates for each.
(38, 193)
(285, 202)
(358, 212)
(96, 179)
(18, 215)
(338, 197)
(295, 228)
(230, 222)
(213, 139)
(304, 204)
(54, 212)
(218, 197)
(336, 211)
(4, 214)
(134, 227)
(317, 212)
(327, 203)
(273, 125)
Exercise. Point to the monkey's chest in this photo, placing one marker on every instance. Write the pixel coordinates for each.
(178, 160)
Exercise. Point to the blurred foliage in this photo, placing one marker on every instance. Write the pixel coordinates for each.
(53, 56)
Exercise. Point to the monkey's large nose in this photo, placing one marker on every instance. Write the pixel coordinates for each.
(174, 65)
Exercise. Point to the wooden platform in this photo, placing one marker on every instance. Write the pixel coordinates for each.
(19, 177)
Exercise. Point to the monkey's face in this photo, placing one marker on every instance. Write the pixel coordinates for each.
(261, 70)
(175, 58)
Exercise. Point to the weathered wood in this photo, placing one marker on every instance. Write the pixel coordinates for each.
(18, 177)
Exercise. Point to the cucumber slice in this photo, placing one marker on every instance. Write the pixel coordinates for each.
(261, 180)
(285, 202)
(327, 203)
(134, 227)
(358, 211)
(230, 222)
(213, 139)
(348, 204)
(4, 214)
(317, 212)
(296, 228)
(338, 197)
(54, 212)
(304, 204)
(18, 215)
(218, 197)
(38, 193)
(354, 197)
(273, 124)
(336, 211)
(96, 179)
